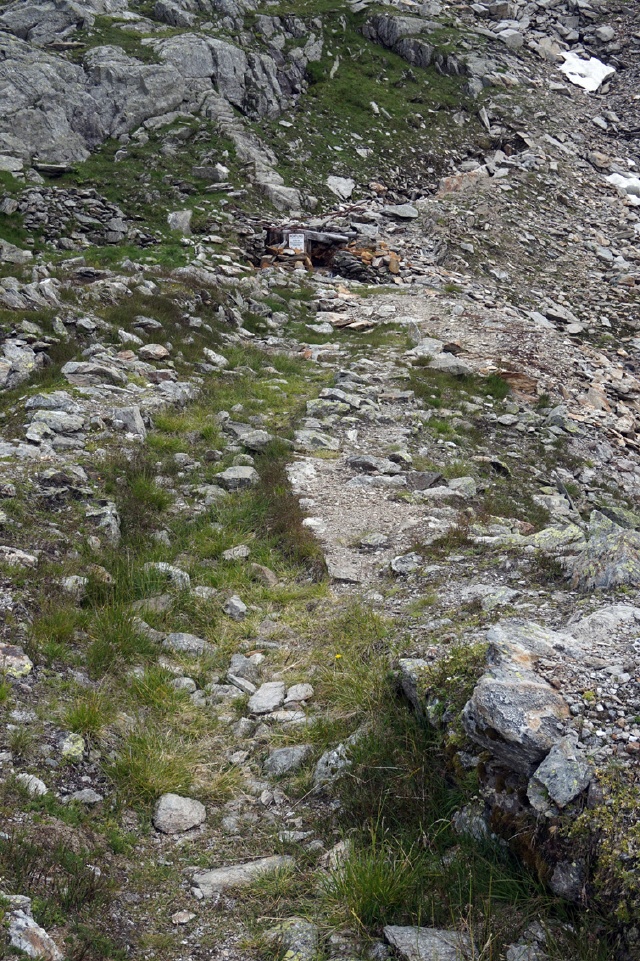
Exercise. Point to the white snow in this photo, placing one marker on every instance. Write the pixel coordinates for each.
(588, 74)
(628, 184)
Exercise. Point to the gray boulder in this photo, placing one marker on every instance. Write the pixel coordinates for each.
(400, 211)
(429, 944)
(513, 712)
(32, 940)
(335, 761)
(298, 937)
(610, 559)
(449, 364)
(310, 440)
(174, 814)
(107, 520)
(176, 575)
(130, 420)
(59, 421)
(237, 478)
(183, 643)
(563, 775)
(90, 374)
(568, 880)
(180, 221)
(284, 760)
(235, 608)
(269, 697)
(17, 363)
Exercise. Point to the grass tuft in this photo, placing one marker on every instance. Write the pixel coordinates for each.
(116, 641)
(89, 714)
(153, 762)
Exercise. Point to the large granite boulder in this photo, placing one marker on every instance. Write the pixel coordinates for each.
(514, 713)
(610, 559)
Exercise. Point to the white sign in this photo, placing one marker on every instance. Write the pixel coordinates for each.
(296, 241)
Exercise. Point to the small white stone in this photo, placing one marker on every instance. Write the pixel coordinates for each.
(34, 786)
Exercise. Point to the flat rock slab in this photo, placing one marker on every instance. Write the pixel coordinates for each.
(401, 211)
(240, 875)
(269, 697)
(184, 643)
(428, 944)
(310, 440)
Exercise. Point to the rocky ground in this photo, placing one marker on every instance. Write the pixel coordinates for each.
(319, 564)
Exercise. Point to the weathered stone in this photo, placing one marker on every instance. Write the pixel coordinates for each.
(256, 440)
(173, 14)
(32, 784)
(342, 187)
(72, 747)
(284, 760)
(130, 420)
(180, 220)
(310, 440)
(568, 880)
(213, 358)
(184, 643)
(334, 762)
(374, 541)
(17, 558)
(564, 774)
(88, 374)
(298, 938)
(239, 553)
(59, 421)
(237, 478)
(27, 936)
(153, 352)
(401, 211)
(174, 814)
(610, 559)
(429, 944)
(265, 575)
(513, 712)
(75, 585)
(107, 520)
(177, 577)
(406, 563)
(449, 364)
(235, 608)
(241, 666)
(239, 875)
(299, 692)
(86, 796)
(369, 464)
(13, 661)
(267, 698)
(412, 670)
